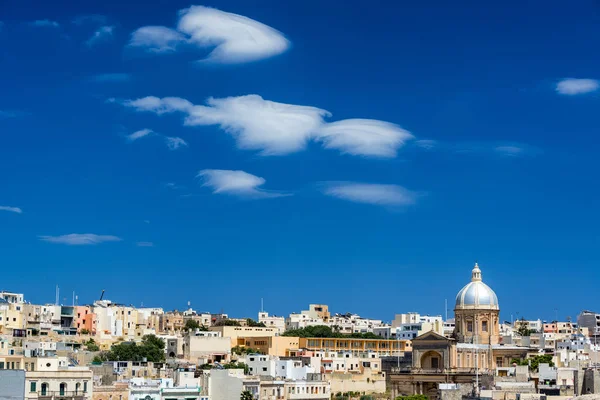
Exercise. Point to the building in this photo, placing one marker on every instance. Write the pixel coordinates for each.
(53, 379)
(263, 365)
(272, 321)
(382, 347)
(12, 385)
(12, 298)
(271, 345)
(473, 351)
(206, 346)
(591, 321)
(234, 332)
(163, 389)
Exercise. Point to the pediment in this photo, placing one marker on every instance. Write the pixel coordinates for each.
(431, 336)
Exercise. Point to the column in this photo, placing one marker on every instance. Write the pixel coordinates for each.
(420, 387)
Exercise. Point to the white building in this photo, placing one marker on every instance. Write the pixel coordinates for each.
(263, 365)
(272, 321)
(162, 389)
(13, 298)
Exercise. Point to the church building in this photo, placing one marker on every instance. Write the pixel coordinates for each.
(470, 356)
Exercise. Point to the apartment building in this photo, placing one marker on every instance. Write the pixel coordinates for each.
(271, 345)
(272, 321)
(206, 346)
(591, 321)
(53, 378)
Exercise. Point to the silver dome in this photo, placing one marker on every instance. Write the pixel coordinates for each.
(477, 294)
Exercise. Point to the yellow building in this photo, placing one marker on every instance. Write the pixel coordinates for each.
(383, 347)
(234, 332)
(281, 346)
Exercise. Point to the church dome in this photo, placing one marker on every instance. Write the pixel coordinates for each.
(476, 294)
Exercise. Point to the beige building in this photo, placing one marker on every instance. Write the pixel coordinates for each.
(206, 347)
(53, 379)
(473, 350)
(271, 345)
(382, 347)
(234, 332)
(118, 391)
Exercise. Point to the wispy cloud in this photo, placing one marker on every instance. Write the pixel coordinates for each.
(157, 39)
(138, 135)
(237, 183)
(95, 19)
(426, 144)
(80, 239)
(173, 143)
(278, 128)
(114, 77)
(145, 244)
(11, 209)
(511, 151)
(5, 114)
(45, 23)
(102, 34)
(234, 38)
(370, 193)
(573, 86)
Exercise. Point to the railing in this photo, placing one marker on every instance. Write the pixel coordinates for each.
(62, 393)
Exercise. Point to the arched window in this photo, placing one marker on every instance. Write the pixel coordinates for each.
(77, 386)
(62, 388)
(44, 389)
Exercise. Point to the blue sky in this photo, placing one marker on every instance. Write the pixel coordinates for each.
(361, 156)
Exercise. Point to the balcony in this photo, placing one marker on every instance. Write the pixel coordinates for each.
(62, 395)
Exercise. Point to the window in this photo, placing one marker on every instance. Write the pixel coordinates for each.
(470, 326)
(499, 362)
(33, 386)
(264, 369)
(44, 389)
(62, 388)
(484, 326)
(1, 365)
(85, 387)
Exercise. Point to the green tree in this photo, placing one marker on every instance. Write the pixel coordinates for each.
(246, 395)
(253, 323)
(191, 325)
(240, 365)
(228, 322)
(535, 361)
(84, 332)
(91, 345)
(413, 397)
(151, 348)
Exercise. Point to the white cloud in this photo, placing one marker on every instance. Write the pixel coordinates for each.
(572, 86)
(103, 33)
(11, 209)
(369, 193)
(278, 128)
(234, 38)
(79, 239)
(114, 77)
(364, 137)
(257, 124)
(45, 23)
(156, 39)
(159, 106)
(145, 244)
(173, 143)
(238, 183)
(426, 144)
(138, 134)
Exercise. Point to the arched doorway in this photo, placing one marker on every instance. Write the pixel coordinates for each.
(44, 390)
(62, 389)
(432, 360)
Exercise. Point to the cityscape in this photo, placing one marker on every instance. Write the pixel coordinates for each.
(299, 200)
(109, 351)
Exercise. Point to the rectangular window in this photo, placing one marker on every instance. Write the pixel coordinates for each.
(499, 362)
(32, 387)
(85, 387)
(470, 326)
(484, 326)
